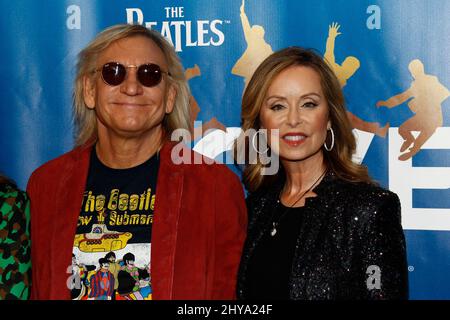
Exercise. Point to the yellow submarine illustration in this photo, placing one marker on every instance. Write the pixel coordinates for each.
(100, 239)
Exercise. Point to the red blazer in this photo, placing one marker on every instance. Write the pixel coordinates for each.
(198, 230)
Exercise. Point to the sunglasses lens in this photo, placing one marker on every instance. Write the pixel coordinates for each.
(113, 73)
(149, 75)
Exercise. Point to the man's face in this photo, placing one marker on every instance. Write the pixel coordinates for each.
(105, 266)
(130, 109)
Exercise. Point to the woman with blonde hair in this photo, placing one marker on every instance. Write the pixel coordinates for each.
(320, 228)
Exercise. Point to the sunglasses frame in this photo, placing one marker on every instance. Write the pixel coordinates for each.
(137, 74)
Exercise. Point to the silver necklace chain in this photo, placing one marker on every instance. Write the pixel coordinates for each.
(273, 230)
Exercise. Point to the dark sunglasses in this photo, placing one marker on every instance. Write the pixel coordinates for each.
(149, 75)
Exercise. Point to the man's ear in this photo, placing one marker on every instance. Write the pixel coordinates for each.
(89, 92)
(171, 97)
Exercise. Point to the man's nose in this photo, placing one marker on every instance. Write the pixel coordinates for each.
(131, 85)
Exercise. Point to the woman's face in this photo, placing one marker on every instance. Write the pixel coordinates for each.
(295, 105)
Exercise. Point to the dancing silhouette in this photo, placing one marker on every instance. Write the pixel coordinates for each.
(213, 123)
(426, 95)
(257, 48)
(344, 72)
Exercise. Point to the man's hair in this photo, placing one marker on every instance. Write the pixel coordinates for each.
(128, 257)
(102, 261)
(109, 255)
(5, 180)
(85, 118)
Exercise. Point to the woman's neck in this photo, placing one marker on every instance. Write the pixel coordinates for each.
(302, 176)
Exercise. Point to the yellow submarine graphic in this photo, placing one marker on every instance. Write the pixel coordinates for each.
(100, 239)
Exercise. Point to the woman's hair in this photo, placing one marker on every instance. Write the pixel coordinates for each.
(339, 159)
(85, 118)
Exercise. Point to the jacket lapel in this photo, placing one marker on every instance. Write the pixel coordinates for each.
(315, 216)
(169, 191)
(311, 235)
(68, 200)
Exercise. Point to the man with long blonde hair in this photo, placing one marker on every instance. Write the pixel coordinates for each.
(123, 190)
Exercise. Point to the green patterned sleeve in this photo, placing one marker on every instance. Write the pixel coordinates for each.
(15, 244)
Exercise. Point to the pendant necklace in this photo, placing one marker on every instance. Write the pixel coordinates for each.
(273, 230)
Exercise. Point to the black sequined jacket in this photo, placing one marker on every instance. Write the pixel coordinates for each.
(350, 246)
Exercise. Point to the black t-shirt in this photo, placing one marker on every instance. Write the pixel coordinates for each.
(270, 266)
(111, 253)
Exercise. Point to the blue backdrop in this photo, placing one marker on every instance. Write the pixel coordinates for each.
(41, 40)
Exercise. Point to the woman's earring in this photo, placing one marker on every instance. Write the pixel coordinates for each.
(254, 144)
(332, 141)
